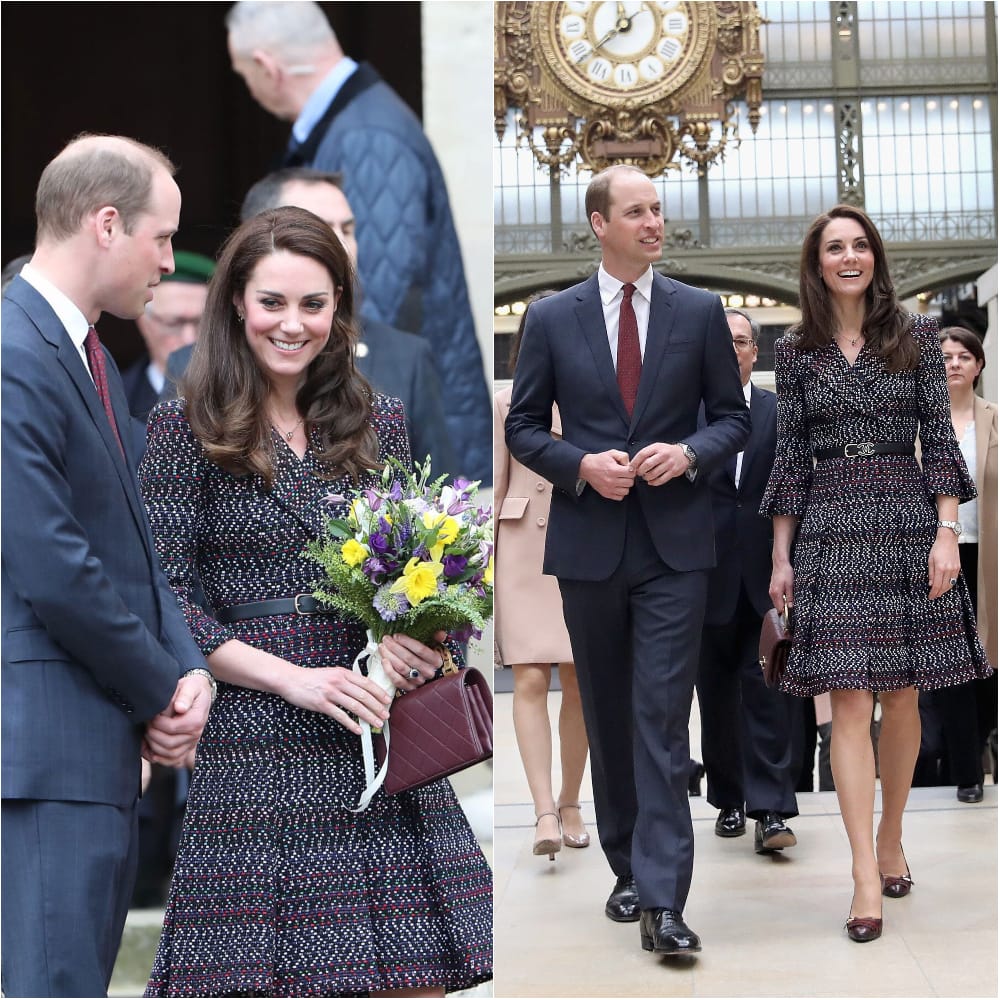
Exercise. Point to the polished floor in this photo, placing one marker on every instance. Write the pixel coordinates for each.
(770, 926)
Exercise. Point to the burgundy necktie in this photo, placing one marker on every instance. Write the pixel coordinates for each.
(95, 358)
(629, 356)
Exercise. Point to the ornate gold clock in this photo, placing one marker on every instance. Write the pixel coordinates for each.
(603, 79)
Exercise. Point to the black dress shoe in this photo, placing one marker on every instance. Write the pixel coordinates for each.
(970, 793)
(770, 834)
(665, 932)
(623, 903)
(731, 823)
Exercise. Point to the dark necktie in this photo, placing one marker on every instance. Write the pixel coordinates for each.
(629, 356)
(95, 358)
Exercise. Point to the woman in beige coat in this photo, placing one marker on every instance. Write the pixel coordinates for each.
(968, 713)
(531, 636)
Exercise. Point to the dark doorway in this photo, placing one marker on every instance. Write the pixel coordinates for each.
(159, 72)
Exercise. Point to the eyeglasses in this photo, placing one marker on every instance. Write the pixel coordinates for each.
(174, 324)
(742, 343)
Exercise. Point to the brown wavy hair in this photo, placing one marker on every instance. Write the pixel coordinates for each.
(224, 388)
(886, 326)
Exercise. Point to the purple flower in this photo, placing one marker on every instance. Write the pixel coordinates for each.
(466, 632)
(374, 499)
(422, 553)
(458, 506)
(375, 569)
(483, 516)
(389, 605)
(379, 543)
(455, 565)
(460, 484)
(396, 492)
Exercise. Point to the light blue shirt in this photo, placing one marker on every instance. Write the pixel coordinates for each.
(320, 98)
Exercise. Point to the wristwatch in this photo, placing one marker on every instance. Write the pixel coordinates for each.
(955, 526)
(689, 454)
(207, 674)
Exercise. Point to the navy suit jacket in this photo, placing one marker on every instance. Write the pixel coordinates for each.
(565, 358)
(742, 537)
(397, 364)
(93, 639)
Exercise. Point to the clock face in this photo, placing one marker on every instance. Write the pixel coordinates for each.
(607, 51)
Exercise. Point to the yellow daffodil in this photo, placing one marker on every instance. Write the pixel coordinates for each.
(447, 526)
(354, 552)
(488, 575)
(419, 580)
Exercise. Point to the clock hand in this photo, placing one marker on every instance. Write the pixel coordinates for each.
(621, 11)
(625, 23)
(607, 38)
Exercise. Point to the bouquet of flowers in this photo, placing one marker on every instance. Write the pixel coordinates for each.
(413, 557)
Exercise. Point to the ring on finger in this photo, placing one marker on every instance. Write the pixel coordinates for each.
(953, 581)
(414, 673)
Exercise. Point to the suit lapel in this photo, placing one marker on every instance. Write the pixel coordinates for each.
(658, 333)
(590, 316)
(758, 404)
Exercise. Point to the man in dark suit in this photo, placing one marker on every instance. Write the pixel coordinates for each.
(630, 356)
(345, 118)
(98, 664)
(749, 734)
(397, 363)
(167, 324)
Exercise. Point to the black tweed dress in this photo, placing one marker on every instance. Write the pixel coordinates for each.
(278, 889)
(863, 620)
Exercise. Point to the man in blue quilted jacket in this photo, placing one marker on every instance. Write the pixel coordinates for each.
(347, 119)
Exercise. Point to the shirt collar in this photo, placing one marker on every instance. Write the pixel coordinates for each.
(611, 286)
(746, 390)
(321, 98)
(66, 310)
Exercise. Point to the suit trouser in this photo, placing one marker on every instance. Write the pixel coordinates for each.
(67, 875)
(635, 644)
(751, 735)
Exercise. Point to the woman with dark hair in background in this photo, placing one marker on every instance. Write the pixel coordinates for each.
(865, 541)
(279, 889)
(531, 636)
(967, 713)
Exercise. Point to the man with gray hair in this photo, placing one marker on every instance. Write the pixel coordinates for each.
(750, 735)
(98, 664)
(346, 119)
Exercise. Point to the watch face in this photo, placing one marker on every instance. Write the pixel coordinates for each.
(608, 52)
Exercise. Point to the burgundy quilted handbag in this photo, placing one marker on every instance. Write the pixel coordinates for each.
(437, 729)
(775, 644)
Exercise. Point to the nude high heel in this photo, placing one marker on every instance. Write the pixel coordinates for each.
(568, 839)
(547, 845)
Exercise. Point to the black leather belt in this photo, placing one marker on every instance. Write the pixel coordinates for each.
(300, 604)
(863, 449)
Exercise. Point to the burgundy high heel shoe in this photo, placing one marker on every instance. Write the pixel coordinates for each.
(863, 929)
(897, 886)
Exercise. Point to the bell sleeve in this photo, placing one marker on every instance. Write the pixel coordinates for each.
(788, 487)
(944, 468)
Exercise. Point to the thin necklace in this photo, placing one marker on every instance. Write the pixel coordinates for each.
(853, 340)
(288, 434)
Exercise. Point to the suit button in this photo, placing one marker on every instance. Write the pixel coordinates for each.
(540, 487)
(540, 522)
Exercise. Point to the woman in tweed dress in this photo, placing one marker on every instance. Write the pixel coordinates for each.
(880, 602)
(278, 889)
